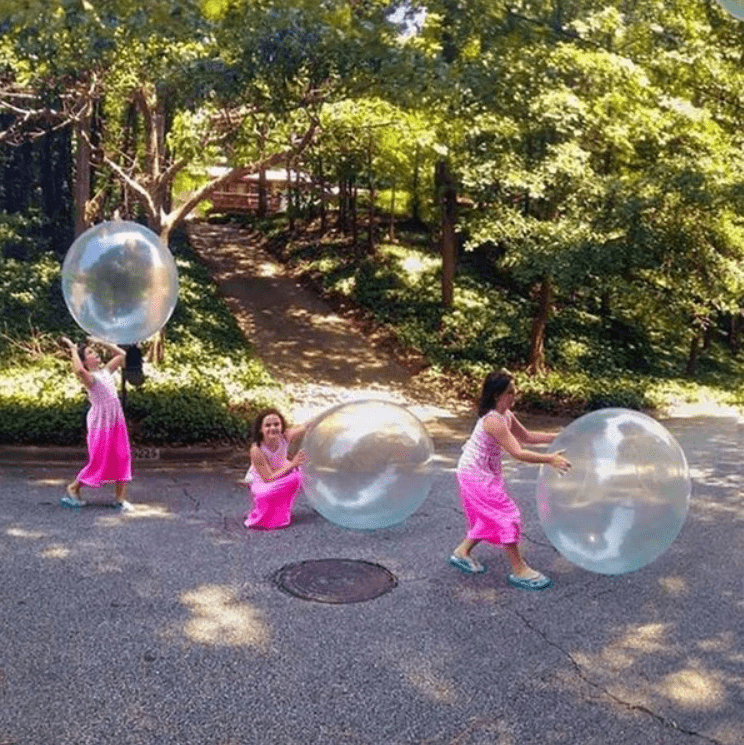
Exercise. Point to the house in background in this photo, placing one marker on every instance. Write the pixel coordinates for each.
(242, 194)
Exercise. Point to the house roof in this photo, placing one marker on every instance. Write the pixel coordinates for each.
(279, 175)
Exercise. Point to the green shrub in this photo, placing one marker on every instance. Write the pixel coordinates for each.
(208, 389)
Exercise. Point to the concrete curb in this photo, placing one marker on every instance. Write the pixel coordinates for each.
(141, 455)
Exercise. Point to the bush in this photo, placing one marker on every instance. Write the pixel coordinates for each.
(208, 389)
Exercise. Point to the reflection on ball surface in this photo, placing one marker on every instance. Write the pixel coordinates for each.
(369, 464)
(120, 282)
(624, 500)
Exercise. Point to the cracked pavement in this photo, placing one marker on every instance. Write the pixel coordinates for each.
(164, 624)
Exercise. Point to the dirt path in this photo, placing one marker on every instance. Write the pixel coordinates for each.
(324, 358)
(321, 357)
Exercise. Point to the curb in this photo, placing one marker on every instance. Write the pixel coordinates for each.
(141, 455)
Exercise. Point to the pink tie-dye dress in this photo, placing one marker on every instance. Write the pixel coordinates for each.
(272, 500)
(491, 513)
(109, 454)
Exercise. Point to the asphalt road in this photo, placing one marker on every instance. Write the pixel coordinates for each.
(165, 624)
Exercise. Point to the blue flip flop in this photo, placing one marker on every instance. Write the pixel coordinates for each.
(466, 566)
(541, 582)
(72, 502)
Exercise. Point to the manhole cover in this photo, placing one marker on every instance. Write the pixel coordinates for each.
(335, 580)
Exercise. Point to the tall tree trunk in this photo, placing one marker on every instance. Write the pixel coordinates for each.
(536, 362)
(416, 200)
(692, 357)
(323, 199)
(447, 194)
(391, 226)
(734, 335)
(82, 171)
(353, 212)
(371, 206)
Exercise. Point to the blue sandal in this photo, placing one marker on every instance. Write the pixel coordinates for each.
(72, 502)
(541, 582)
(466, 565)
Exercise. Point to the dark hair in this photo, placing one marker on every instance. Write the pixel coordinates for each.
(81, 347)
(256, 434)
(494, 385)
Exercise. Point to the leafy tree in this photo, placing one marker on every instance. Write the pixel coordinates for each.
(151, 87)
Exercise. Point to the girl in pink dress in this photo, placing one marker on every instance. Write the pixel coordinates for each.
(273, 478)
(109, 455)
(491, 513)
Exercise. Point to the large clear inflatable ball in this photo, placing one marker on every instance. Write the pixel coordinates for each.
(369, 464)
(120, 282)
(735, 7)
(625, 498)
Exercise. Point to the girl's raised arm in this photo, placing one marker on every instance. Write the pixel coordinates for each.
(119, 355)
(77, 365)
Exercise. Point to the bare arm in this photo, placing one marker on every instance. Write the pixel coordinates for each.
(77, 366)
(119, 355)
(529, 436)
(261, 463)
(497, 428)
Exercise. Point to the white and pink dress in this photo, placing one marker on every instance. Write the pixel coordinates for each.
(273, 500)
(109, 454)
(492, 514)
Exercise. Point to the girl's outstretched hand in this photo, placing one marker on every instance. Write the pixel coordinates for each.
(68, 342)
(299, 459)
(559, 462)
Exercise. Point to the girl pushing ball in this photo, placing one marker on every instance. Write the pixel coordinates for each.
(491, 513)
(273, 478)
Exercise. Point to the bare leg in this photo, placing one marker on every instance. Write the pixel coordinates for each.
(520, 568)
(464, 549)
(73, 495)
(463, 552)
(121, 490)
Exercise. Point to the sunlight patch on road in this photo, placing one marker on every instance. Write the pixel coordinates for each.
(220, 619)
(34, 535)
(675, 585)
(55, 551)
(422, 676)
(137, 512)
(48, 482)
(694, 688)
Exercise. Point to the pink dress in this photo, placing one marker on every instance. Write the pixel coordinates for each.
(491, 513)
(109, 455)
(272, 500)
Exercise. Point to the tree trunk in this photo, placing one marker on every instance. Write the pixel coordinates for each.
(692, 358)
(262, 209)
(371, 207)
(391, 227)
(536, 362)
(290, 200)
(353, 212)
(447, 194)
(734, 335)
(416, 201)
(82, 172)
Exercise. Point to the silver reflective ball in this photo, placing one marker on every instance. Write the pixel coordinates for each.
(369, 464)
(120, 282)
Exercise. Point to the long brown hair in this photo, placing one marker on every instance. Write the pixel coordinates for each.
(494, 385)
(256, 433)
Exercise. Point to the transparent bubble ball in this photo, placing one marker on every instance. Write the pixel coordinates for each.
(120, 282)
(624, 500)
(735, 7)
(369, 464)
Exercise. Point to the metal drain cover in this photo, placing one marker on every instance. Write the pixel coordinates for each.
(335, 580)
